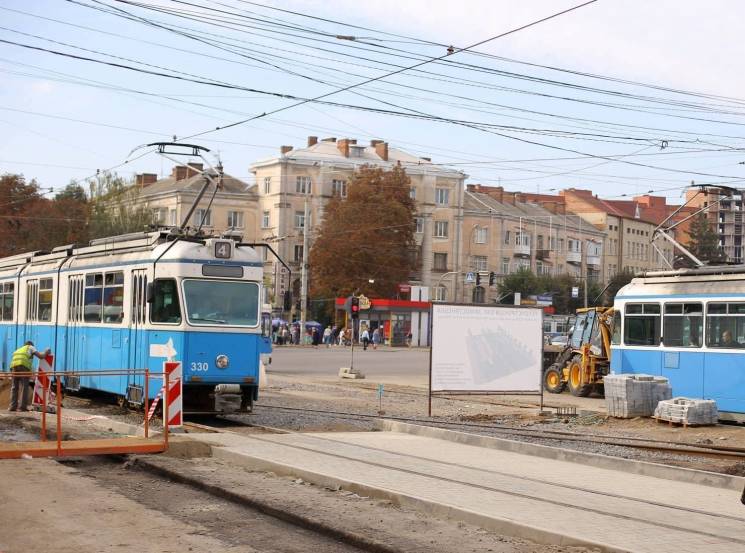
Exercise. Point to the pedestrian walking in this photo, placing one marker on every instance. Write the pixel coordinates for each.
(365, 337)
(315, 337)
(21, 362)
(376, 337)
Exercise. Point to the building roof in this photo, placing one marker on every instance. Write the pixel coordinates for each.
(485, 204)
(193, 184)
(328, 151)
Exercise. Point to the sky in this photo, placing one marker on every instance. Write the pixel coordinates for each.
(621, 98)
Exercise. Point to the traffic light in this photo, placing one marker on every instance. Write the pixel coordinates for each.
(492, 278)
(355, 307)
(287, 301)
(478, 279)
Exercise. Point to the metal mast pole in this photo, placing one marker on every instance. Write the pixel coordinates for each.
(304, 273)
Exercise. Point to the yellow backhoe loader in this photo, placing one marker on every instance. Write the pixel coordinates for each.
(586, 358)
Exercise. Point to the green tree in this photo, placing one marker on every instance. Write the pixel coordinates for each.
(704, 243)
(523, 281)
(367, 236)
(617, 281)
(116, 207)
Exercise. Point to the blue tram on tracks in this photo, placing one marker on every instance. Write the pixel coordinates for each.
(132, 302)
(689, 326)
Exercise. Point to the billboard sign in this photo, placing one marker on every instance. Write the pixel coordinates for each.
(486, 348)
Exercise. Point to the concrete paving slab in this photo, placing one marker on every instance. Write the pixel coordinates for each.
(549, 501)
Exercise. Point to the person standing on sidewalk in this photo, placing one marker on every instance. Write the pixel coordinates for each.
(22, 361)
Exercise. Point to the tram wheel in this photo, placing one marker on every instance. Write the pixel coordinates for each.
(552, 380)
(576, 387)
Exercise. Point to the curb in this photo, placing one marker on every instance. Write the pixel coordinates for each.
(501, 526)
(644, 468)
(309, 523)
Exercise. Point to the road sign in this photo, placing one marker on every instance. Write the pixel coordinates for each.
(575, 291)
(470, 278)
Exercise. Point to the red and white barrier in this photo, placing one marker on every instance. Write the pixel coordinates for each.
(42, 382)
(174, 411)
(154, 404)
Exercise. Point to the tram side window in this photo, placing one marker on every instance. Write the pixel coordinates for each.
(616, 335)
(684, 325)
(165, 307)
(113, 298)
(6, 301)
(93, 298)
(44, 308)
(725, 325)
(642, 326)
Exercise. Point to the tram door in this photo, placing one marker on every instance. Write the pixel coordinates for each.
(138, 342)
(74, 336)
(32, 302)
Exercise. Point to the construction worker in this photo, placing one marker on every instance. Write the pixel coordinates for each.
(23, 362)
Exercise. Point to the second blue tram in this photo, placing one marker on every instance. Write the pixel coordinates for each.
(688, 326)
(131, 302)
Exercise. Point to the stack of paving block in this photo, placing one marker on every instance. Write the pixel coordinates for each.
(634, 395)
(688, 411)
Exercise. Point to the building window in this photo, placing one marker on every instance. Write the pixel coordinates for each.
(479, 263)
(339, 188)
(419, 222)
(412, 193)
(235, 219)
(539, 242)
(172, 218)
(159, 215)
(441, 229)
(507, 238)
(539, 267)
(442, 196)
(440, 293)
(441, 262)
(505, 265)
(299, 219)
(480, 235)
(265, 221)
(267, 185)
(298, 254)
(561, 244)
(523, 264)
(574, 245)
(203, 217)
(302, 185)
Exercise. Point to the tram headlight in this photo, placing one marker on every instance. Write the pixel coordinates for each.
(222, 361)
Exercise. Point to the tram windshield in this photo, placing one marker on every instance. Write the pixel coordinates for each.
(229, 303)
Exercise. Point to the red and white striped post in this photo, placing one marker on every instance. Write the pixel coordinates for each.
(173, 411)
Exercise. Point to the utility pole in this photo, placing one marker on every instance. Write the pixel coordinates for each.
(304, 273)
(583, 263)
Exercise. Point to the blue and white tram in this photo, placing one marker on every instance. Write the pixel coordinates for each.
(131, 302)
(688, 326)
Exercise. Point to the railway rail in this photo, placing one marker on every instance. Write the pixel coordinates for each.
(646, 444)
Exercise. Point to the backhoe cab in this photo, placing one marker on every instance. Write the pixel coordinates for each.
(586, 359)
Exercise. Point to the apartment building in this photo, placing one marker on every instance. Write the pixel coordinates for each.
(725, 213)
(233, 209)
(502, 234)
(628, 226)
(323, 169)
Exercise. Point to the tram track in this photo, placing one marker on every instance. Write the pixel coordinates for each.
(638, 443)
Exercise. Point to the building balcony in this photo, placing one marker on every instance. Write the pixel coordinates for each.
(593, 260)
(543, 255)
(522, 250)
(574, 257)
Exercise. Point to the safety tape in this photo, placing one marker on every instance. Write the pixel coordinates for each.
(155, 404)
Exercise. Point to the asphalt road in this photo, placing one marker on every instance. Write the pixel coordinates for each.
(388, 365)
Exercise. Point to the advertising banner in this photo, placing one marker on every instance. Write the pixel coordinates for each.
(479, 348)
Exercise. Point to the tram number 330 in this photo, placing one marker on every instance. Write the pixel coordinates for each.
(196, 367)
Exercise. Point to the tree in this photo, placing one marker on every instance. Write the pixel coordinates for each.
(523, 281)
(367, 236)
(21, 206)
(704, 243)
(559, 287)
(115, 207)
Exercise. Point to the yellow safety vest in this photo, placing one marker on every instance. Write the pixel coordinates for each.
(21, 358)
